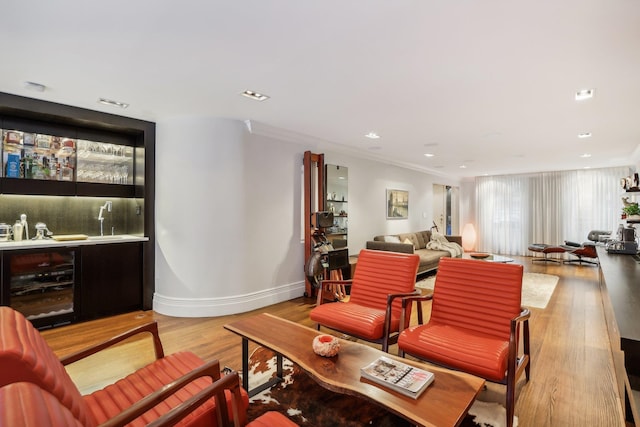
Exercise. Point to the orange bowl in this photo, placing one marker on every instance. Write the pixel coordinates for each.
(479, 255)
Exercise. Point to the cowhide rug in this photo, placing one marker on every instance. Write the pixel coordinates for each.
(308, 404)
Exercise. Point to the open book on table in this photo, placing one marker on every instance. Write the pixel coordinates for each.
(403, 378)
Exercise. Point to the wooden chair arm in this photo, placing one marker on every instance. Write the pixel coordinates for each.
(387, 314)
(406, 303)
(151, 328)
(229, 382)
(417, 297)
(346, 282)
(524, 316)
(325, 285)
(391, 297)
(513, 366)
(210, 369)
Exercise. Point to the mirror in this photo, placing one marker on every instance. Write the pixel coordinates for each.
(336, 201)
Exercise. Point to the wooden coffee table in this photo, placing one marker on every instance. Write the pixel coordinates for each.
(444, 403)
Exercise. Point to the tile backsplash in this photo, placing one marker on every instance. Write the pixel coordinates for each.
(74, 215)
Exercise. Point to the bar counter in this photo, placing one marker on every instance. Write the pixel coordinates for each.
(51, 243)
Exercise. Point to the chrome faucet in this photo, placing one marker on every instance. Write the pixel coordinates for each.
(108, 205)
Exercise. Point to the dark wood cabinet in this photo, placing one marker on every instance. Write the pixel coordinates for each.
(118, 276)
(110, 277)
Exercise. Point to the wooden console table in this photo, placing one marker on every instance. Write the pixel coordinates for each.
(444, 403)
(619, 279)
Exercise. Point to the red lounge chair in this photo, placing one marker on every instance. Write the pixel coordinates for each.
(475, 323)
(27, 405)
(374, 308)
(178, 388)
(581, 251)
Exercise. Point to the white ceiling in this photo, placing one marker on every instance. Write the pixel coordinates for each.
(489, 84)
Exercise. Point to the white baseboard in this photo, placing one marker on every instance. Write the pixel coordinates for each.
(211, 307)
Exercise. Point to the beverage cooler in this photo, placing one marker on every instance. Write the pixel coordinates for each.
(42, 285)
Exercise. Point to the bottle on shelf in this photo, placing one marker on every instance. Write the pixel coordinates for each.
(18, 231)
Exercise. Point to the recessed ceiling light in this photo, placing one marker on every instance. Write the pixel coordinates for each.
(254, 95)
(429, 154)
(36, 87)
(584, 135)
(463, 166)
(372, 135)
(113, 103)
(583, 94)
(585, 155)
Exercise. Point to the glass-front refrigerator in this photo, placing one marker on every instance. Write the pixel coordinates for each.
(42, 285)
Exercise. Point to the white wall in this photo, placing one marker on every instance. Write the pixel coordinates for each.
(227, 218)
(368, 182)
(228, 214)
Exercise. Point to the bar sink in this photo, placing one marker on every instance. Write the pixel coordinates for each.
(110, 237)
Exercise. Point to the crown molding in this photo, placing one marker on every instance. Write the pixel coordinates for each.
(318, 144)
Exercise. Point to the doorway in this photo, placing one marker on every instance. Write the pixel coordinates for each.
(446, 207)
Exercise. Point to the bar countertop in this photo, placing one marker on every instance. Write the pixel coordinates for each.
(52, 243)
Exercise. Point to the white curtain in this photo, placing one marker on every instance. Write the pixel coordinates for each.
(514, 211)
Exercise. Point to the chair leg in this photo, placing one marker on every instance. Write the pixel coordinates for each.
(546, 259)
(511, 394)
(580, 261)
(525, 338)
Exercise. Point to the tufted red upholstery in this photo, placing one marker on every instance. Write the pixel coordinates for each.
(25, 356)
(467, 293)
(379, 274)
(472, 326)
(25, 404)
(113, 399)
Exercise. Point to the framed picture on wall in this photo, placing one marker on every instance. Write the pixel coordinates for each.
(397, 204)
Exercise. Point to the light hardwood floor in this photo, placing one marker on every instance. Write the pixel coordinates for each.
(571, 374)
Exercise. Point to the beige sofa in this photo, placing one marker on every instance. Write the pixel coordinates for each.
(428, 258)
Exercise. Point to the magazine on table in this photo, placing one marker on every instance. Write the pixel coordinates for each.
(404, 378)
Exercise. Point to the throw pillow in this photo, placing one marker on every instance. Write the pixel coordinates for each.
(410, 238)
(407, 241)
(392, 239)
